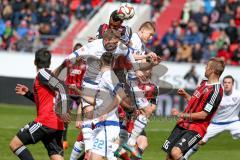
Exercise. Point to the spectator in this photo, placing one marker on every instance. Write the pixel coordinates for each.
(232, 31)
(22, 29)
(84, 8)
(197, 53)
(225, 54)
(236, 56)
(184, 53)
(191, 78)
(170, 35)
(193, 36)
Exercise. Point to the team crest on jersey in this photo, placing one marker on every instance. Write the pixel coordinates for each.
(196, 94)
(234, 99)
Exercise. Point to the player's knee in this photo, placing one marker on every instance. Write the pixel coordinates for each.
(176, 153)
(142, 142)
(149, 110)
(15, 143)
(201, 143)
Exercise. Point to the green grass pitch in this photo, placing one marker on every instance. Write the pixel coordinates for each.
(13, 117)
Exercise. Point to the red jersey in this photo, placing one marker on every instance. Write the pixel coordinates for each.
(44, 89)
(206, 97)
(75, 73)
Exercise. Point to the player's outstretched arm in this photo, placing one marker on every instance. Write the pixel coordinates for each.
(24, 91)
(189, 116)
(48, 79)
(184, 94)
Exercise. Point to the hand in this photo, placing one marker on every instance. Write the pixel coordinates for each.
(78, 124)
(21, 89)
(174, 112)
(152, 55)
(140, 75)
(156, 60)
(183, 93)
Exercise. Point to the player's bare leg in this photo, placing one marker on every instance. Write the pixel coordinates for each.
(19, 149)
(56, 157)
(176, 154)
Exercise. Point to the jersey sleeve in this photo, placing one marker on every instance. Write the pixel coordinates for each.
(29, 95)
(48, 79)
(84, 52)
(213, 100)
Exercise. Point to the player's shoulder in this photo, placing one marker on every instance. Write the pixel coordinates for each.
(236, 93)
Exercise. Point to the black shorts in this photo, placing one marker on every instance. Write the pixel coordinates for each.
(35, 132)
(181, 138)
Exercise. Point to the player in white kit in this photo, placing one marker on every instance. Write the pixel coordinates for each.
(226, 117)
(141, 55)
(106, 132)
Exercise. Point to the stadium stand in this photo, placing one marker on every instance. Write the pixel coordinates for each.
(206, 29)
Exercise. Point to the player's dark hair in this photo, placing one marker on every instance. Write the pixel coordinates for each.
(111, 34)
(114, 16)
(229, 76)
(42, 58)
(77, 46)
(107, 58)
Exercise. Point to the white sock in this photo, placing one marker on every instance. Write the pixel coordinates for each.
(139, 124)
(87, 134)
(78, 147)
(191, 151)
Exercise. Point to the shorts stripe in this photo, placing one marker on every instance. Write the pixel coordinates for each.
(34, 127)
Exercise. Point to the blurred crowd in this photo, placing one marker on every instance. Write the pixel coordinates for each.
(207, 28)
(26, 25)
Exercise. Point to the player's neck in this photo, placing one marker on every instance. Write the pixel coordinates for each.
(228, 93)
(212, 79)
(105, 68)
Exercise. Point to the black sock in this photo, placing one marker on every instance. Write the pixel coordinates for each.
(23, 153)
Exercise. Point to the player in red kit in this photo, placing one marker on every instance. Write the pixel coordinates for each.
(202, 105)
(47, 126)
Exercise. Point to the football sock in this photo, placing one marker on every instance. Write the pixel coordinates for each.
(191, 151)
(23, 153)
(139, 124)
(77, 150)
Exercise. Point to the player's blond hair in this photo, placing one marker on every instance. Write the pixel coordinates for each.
(148, 25)
(218, 65)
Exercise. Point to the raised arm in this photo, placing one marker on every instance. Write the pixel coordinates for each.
(24, 91)
(48, 79)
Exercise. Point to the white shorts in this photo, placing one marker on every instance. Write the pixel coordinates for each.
(138, 95)
(89, 89)
(104, 139)
(216, 128)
